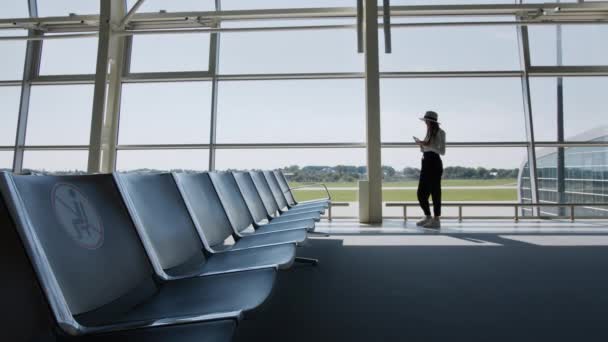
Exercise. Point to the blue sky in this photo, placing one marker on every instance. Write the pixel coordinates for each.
(474, 109)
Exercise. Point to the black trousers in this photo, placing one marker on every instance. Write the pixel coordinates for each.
(430, 183)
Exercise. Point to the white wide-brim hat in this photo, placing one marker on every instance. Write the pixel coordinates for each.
(430, 116)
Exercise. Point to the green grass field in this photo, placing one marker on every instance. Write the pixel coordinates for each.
(445, 182)
(410, 195)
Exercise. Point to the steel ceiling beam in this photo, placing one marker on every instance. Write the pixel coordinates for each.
(533, 12)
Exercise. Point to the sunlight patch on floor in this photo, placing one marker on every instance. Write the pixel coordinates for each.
(408, 240)
(560, 240)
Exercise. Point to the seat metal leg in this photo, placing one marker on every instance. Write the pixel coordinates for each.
(310, 261)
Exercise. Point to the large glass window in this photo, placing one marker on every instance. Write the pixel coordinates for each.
(451, 48)
(6, 160)
(471, 157)
(290, 52)
(279, 158)
(60, 115)
(13, 55)
(170, 52)
(473, 174)
(165, 113)
(9, 113)
(68, 56)
(62, 8)
(162, 160)
(470, 109)
(584, 105)
(55, 161)
(581, 45)
(292, 111)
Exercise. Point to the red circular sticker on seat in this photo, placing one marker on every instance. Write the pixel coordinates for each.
(77, 216)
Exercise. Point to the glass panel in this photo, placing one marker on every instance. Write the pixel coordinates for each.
(6, 160)
(510, 158)
(60, 115)
(60, 8)
(291, 111)
(470, 109)
(544, 108)
(290, 52)
(585, 179)
(9, 113)
(14, 9)
(162, 160)
(165, 113)
(280, 158)
(174, 5)
(68, 56)
(470, 174)
(580, 45)
(465, 2)
(451, 48)
(584, 103)
(179, 52)
(264, 4)
(13, 55)
(55, 161)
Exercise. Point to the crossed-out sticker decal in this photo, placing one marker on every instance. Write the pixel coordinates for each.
(77, 216)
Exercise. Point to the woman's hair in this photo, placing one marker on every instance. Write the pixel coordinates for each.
(431, 131)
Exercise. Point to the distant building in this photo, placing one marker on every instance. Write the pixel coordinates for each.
(585, 177)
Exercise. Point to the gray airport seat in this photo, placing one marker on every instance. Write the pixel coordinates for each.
(281, 200)
(218, 331)
(93, 270)
(236, 207)
(172, 239)
(270, 203)
(291, 200)
(262, 221)
(205, 205)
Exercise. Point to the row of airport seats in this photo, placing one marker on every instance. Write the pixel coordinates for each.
(143, 257)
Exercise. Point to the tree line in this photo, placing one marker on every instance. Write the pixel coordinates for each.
(348, 173)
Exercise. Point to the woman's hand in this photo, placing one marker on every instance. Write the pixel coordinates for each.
(417, 141)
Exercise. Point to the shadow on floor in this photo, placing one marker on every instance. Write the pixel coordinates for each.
(512, 292)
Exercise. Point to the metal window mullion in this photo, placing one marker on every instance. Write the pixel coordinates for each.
(33, 52)
(106, 98)
(214, 58)
(524, 52)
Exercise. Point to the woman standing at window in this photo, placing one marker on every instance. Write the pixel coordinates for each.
(432, 147)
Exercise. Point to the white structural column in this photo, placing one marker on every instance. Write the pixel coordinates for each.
(372, 107)
(524, 53)
(30, 70)
(106, 99)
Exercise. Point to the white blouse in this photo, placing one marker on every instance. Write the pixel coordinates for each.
(437, 144)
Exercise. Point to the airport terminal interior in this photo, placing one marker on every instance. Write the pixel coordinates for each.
(257, 170)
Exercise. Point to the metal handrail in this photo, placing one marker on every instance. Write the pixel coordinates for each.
(308, 186)
(516, 206)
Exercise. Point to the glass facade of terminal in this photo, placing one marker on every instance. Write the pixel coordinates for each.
(585, 180)
(244, 84)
